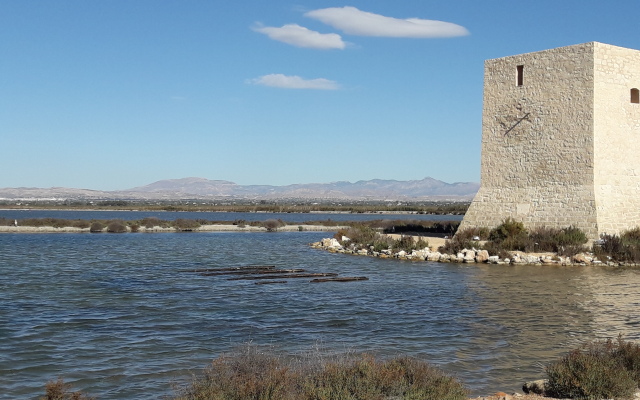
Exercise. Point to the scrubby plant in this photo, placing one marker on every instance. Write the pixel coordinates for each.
(623, 248)
(134, 227)
(408, 244)
(511, 235)
(510, 232)
(182, 224)
(58, 390)
(96, 226)
(7, 221)
(152, 222)
(566, 241)
(463, 239)
(597, 370)
(362, 236)
(272, 225)
(252, 373)
(116, 226)
(81, 223)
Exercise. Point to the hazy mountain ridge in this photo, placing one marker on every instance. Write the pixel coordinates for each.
(175, 189)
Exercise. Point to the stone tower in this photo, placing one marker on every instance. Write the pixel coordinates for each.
(561, 140)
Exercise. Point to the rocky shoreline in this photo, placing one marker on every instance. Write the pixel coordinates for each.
(470, 256)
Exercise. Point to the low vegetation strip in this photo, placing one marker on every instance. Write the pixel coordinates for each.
(153, 224)
(508, 243)
(262, 206)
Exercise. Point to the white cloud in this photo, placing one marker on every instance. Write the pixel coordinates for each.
(300, 36)
(355, 22)
(294, 82)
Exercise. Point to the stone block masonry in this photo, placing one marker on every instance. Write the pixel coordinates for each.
(561, 140)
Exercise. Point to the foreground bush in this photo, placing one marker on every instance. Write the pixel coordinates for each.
(253, 374)
(597, 370)
(58, 390)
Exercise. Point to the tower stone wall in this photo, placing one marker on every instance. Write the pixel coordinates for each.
(560, 140)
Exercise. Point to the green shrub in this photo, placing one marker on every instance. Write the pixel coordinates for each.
(511, 235)
(408, 244)
(509, 228)
(134, 227)
(462, 240)
(116, 226)
(595, 371)
(96, 226)
(623, 248)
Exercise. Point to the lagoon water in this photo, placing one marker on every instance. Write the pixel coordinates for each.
(120, 316)
(220, 216)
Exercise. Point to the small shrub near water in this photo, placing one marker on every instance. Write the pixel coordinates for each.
(152, 222)
(116, 226)
(511, 235)
(597, 370)
(406, 243)
(96, 226)
(58, 390)
(623, 248)
(464, 240)
(251, 373)
(181, 224)
(272, 225)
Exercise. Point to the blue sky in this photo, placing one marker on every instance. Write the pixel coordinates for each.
(114, 94)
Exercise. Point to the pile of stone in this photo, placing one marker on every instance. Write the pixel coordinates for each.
(465, 256)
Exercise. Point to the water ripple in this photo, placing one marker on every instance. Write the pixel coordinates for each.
(115, 315)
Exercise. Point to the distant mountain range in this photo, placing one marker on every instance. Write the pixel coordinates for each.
(201, 188)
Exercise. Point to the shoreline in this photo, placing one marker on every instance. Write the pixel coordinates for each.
(157, 229)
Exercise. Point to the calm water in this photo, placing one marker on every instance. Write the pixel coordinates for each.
(117, 315)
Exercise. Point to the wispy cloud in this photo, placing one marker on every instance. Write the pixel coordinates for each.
(300, 36)
(294, 82)
(355, 22)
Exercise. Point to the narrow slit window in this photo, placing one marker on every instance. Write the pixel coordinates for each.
(520, 75)
(635, 96)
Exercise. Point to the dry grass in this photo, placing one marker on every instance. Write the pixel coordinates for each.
(58, 390)
(251, 373)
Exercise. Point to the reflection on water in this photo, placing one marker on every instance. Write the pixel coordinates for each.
(116, 315)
